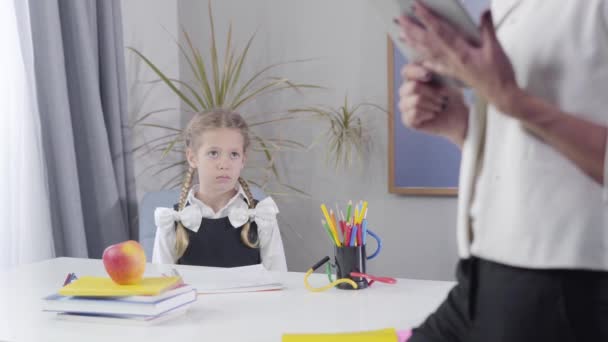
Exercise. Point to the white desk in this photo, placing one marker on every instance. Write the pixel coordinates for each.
(229, 317)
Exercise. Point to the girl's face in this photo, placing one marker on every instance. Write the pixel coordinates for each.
(218, 160)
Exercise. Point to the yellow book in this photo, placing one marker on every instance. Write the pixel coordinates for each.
(384, 335)
(105, 287)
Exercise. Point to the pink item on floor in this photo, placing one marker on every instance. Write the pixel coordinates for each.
(403, 335)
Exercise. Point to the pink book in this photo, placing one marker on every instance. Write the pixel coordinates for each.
(403, 335)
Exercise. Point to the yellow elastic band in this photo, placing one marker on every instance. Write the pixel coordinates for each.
(328, 286)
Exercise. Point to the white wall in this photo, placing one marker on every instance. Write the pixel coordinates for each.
(349, 45)
(150, 27)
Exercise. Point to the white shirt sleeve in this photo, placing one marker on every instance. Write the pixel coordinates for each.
(164, 241)
(271, 249)
(271, 246)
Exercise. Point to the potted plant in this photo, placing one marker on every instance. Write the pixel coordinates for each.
(219, 82)
(347, 138)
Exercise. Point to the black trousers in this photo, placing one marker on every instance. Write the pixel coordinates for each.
(497, 303)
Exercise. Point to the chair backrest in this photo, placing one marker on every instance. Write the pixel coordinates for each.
(165, 198)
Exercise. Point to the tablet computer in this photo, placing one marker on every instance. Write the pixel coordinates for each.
(453, 11)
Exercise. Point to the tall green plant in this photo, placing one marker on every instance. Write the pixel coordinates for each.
(220, 83)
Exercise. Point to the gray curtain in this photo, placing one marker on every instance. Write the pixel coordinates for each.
(81, 89)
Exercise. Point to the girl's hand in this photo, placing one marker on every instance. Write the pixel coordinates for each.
(432, 108)
(445, 50)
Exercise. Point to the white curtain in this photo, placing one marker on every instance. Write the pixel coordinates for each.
(25, 226)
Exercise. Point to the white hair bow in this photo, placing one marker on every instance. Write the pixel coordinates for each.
(191, 217)
(263, 214)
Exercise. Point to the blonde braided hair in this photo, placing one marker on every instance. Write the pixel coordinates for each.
(200, 123)
(247, 226)
(181, 236)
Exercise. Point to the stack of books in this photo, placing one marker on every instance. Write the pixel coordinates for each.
(98, 299)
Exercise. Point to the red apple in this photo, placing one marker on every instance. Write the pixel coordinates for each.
(125, 262)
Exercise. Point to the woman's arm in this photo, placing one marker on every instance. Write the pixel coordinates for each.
(487, 69)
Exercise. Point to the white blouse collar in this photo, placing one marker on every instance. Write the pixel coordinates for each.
(207, 211)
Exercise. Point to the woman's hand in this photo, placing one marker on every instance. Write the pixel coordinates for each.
(432, 108)
(445, 50)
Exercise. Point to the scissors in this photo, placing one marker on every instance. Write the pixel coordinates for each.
(331, 284)
(328, 266)
(372, 279)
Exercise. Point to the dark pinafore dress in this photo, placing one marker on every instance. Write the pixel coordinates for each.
(218, 244)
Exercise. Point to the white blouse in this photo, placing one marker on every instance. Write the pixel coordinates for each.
(264, 214)
(531, 206)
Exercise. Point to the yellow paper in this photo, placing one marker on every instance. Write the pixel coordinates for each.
(105, 287)
(384, 335)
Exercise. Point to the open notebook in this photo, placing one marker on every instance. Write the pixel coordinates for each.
(229, 280)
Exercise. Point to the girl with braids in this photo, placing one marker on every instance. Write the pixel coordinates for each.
(217, 222)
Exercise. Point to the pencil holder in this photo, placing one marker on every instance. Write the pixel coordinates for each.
(350, 259)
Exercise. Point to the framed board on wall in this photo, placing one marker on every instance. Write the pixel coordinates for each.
(419, 163)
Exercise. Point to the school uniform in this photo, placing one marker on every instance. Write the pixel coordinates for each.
(532, 227)
(215, 237)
